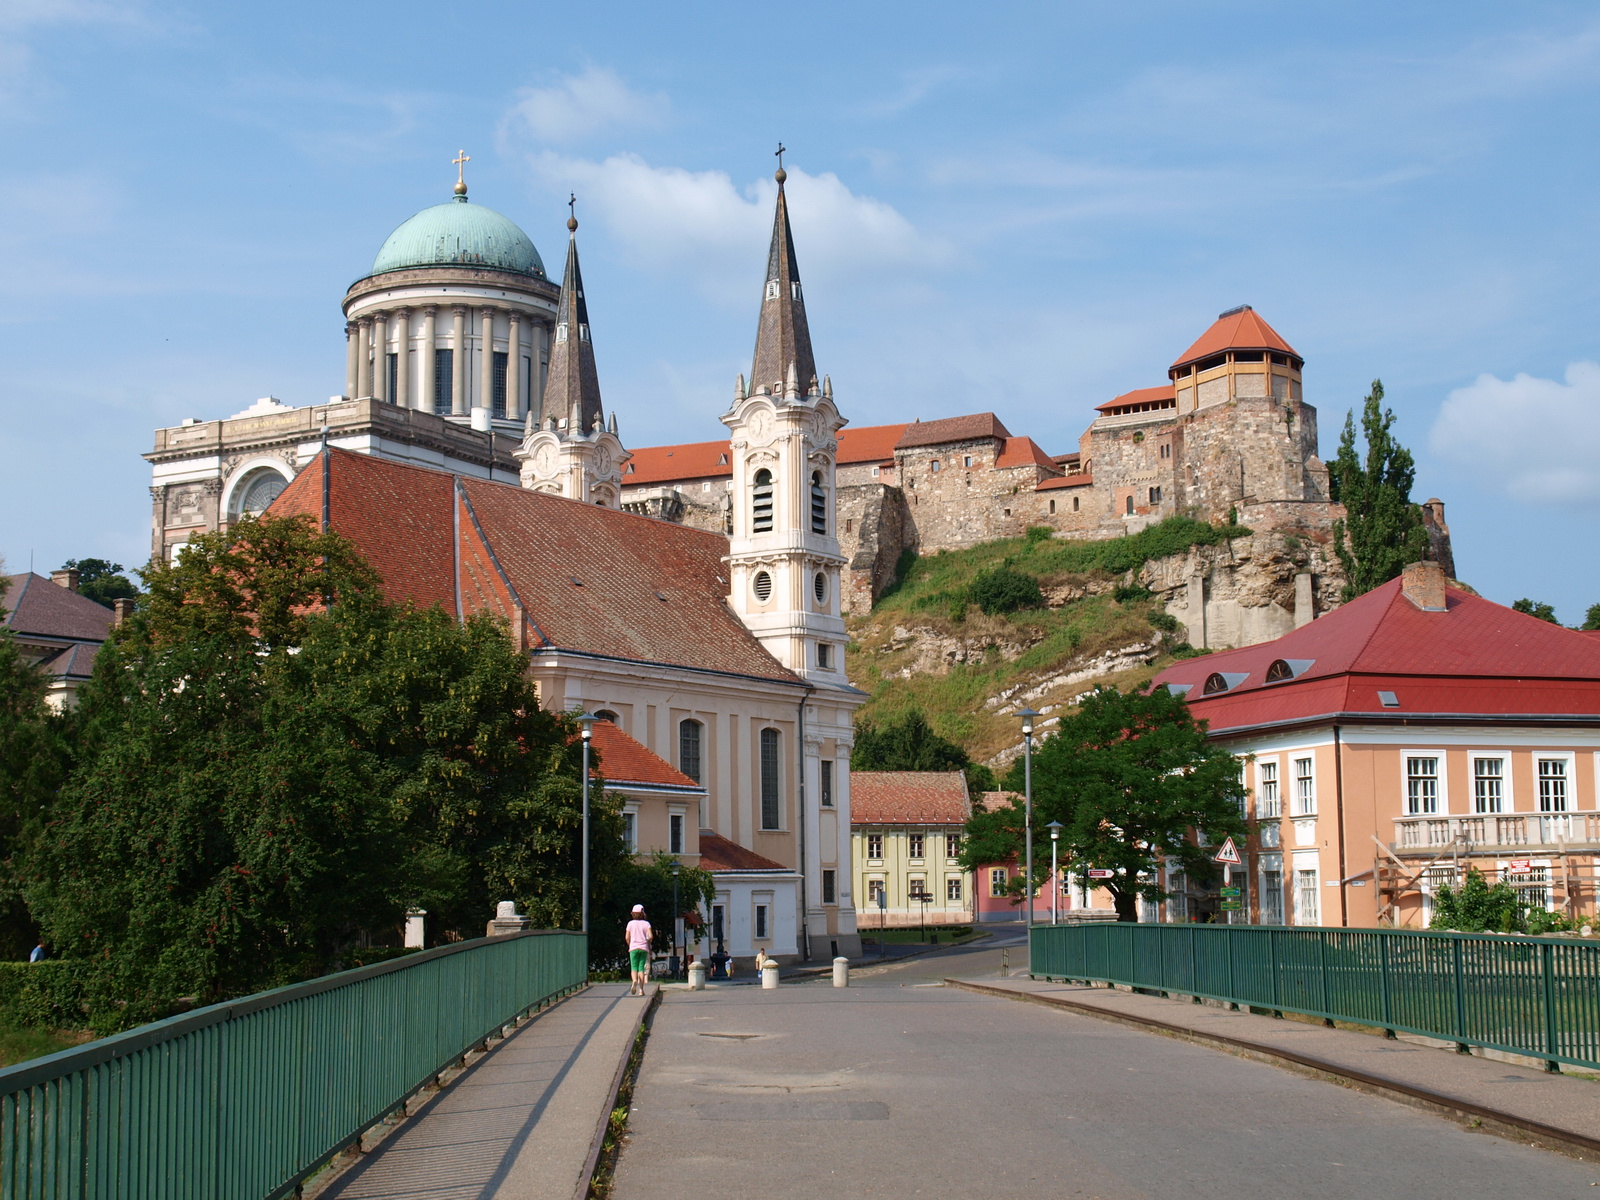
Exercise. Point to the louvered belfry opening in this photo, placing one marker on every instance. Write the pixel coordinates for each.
(761, 502)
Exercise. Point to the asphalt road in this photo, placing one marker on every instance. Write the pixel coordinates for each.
(899, 1087)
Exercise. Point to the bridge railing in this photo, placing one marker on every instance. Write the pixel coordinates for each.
(1536, 996)
(248, 1099)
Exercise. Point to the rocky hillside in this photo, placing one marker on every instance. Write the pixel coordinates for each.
(1114, 612)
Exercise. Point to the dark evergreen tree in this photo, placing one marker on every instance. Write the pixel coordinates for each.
(905, 742)
(1384, 529)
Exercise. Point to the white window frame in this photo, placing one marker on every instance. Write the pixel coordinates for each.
(631, 825)
(682, 813)
(1274, 761)
(1441, 764)
(1305, 866)
(952, 883)
(871, 837)
(999, 875)
(1507, 798)
(1569, 758)
(1295, 760)
(916, 845)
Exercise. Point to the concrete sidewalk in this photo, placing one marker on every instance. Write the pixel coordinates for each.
(520, 1123)
(1558, 1111)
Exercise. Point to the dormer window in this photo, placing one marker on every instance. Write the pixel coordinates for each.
(761, 502)
(1288, 668)
(583, 333)
(1223, 681)
(722, 460)
(772, 289)
(794, 290)
(561, 332)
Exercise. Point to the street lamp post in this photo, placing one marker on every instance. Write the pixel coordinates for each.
(1055, 890)
(1027, 715)
(586, 725)
(675, 919)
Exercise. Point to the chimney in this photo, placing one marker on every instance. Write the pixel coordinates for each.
(123, 607)
(1422, 583)
(65, 578)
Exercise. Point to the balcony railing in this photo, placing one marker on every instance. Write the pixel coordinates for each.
(1511, 830)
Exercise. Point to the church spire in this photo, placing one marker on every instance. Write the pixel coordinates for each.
(572, 388)
(783, 340)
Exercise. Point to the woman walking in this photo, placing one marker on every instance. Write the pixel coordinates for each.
(638, 935)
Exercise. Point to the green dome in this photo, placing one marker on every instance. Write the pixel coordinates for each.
(459, 233)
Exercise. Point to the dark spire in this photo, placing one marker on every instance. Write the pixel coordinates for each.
(783, 340)
(572, 388)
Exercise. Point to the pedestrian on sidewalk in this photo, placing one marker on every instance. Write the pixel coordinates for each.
(761, 961)
(638, 935)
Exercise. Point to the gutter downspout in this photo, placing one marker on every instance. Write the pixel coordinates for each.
(1338, 794)
(805, 880)
(456, 497)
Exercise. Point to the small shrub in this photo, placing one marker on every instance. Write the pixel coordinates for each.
(1184, 650)
(45, 995)
(1039, 533)
(1165, 622)
(1132, 591)
(1004, 590)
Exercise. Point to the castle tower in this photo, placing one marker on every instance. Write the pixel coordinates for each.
(783, 556)
(567, 449)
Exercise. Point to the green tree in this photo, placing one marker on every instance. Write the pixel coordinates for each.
(1533, 608)
(1478, 907)
(1132, 779)
(100, 580)
(1591, 618)
(648, 882)
(1004, 590)
(1383, 530)
(905, 742)
(276, 763)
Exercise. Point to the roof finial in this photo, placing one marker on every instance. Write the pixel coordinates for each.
(461, 160)
(572, 209)
(781, 174)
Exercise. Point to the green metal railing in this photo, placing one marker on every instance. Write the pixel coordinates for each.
(1528, 995)
(243, 1101)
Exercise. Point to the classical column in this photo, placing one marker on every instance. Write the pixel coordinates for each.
(402, 346)
(380, 357)
(514, 368)
(486, 363)
(364, 361)
(352, 347)
(430, 359)
(458, 364)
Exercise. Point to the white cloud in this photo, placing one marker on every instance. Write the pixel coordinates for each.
(701, 224)
(1538, 439)
(577, 105)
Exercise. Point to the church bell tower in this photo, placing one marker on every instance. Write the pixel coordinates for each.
(783, 556)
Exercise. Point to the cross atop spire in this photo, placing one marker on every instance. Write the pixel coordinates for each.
(461, 160)
(572, 212)
(783, 339)
(572, 387)
(781, 174)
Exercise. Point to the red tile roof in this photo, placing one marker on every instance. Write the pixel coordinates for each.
(583, 578)
(1149, 395)
(1236, 329)
(908, 798)
(45, 609)
(973, 427)
(717, 853)
(624, 760)
(1023, 452)
(1065, 481)
(1475, 659)
(713, 460)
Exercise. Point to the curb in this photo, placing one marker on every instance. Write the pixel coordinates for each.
(586, 1176)
(1475, 1116)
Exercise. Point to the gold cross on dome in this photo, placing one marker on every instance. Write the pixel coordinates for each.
(461, 160)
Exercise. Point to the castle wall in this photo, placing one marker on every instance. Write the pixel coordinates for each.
(958, 495)
(875, 529)
(1249, 452)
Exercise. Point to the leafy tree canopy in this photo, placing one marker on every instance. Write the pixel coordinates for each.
(1591, 618)
(1131, 777)
(1004, 590)
(101, 581)
(1533, 608)
(904, 742)
(649, 882)
(1384, 529)
(276, 764)
(1477, 906)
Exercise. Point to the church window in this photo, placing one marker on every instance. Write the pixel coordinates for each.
(761, 502)
(824, 656)
(825, 773)
(392, 370)
(498, 384)
(829, 887)
(444, 380)
(1052, 507)
(257, 490)
(689, 748)
(819, 587)
(819, 504)
(525, 385)
(675, 834)
(1074, 504)
(769, 779)
(761, 585)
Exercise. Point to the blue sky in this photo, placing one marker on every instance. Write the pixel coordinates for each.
(1023, 208)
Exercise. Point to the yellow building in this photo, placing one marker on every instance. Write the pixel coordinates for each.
(905, 832)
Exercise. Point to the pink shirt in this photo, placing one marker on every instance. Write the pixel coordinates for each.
(638, 935)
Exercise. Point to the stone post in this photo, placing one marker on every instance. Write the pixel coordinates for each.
(486, 360)
(380, 357)
(416, 928)
(364, 361)
(1197, 612)
(514, 368)
(430, 331)
(507, 920)
(402, 347)
(458, 364)
(352, 347)
(1304, 600)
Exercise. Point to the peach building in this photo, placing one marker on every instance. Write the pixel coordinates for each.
(1390, 745)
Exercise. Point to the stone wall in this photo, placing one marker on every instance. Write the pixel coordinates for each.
(874, 529)
(959, 497)
(1250, 451)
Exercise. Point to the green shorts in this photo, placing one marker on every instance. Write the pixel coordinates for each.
(639, 960)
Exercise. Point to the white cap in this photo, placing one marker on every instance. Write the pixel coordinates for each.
(638, 908)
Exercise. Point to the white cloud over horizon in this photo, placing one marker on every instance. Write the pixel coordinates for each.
(1539, 438)
(575, 106)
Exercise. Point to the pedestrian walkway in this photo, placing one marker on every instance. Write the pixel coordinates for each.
(1528, 1101)
(521, 1122)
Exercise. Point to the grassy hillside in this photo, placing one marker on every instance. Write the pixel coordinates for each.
(901, 653)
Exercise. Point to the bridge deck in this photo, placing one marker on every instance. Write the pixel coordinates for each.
(517, 1124)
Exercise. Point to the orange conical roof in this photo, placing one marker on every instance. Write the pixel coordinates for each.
(1237, 329)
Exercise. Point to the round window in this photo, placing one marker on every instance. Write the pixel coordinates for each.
(762, 585)
(256, 491)
(819, 587)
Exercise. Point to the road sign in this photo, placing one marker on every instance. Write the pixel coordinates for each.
(1230, 891)
(1229, 854)
(1231, 906)
(1100, 873)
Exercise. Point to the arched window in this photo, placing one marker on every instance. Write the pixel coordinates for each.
(255, 492)
(1130, 506)
(761, 503)
(689, 748)
(819, 504)
(1052, 507)
(605, 714)
(770, 808)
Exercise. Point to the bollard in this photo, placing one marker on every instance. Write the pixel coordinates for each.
(769, 975)
(841, 972)
(697, 976)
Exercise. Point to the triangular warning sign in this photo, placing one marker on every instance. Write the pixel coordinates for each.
(1229, 854)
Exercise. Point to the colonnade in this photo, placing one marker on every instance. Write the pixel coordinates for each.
(371, 338)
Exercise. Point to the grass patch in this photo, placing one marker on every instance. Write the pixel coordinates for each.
(18, 1043)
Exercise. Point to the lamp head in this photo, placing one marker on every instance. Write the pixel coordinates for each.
(1055, 830)
(586, 724)
(675, 867)
(1027, 715)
